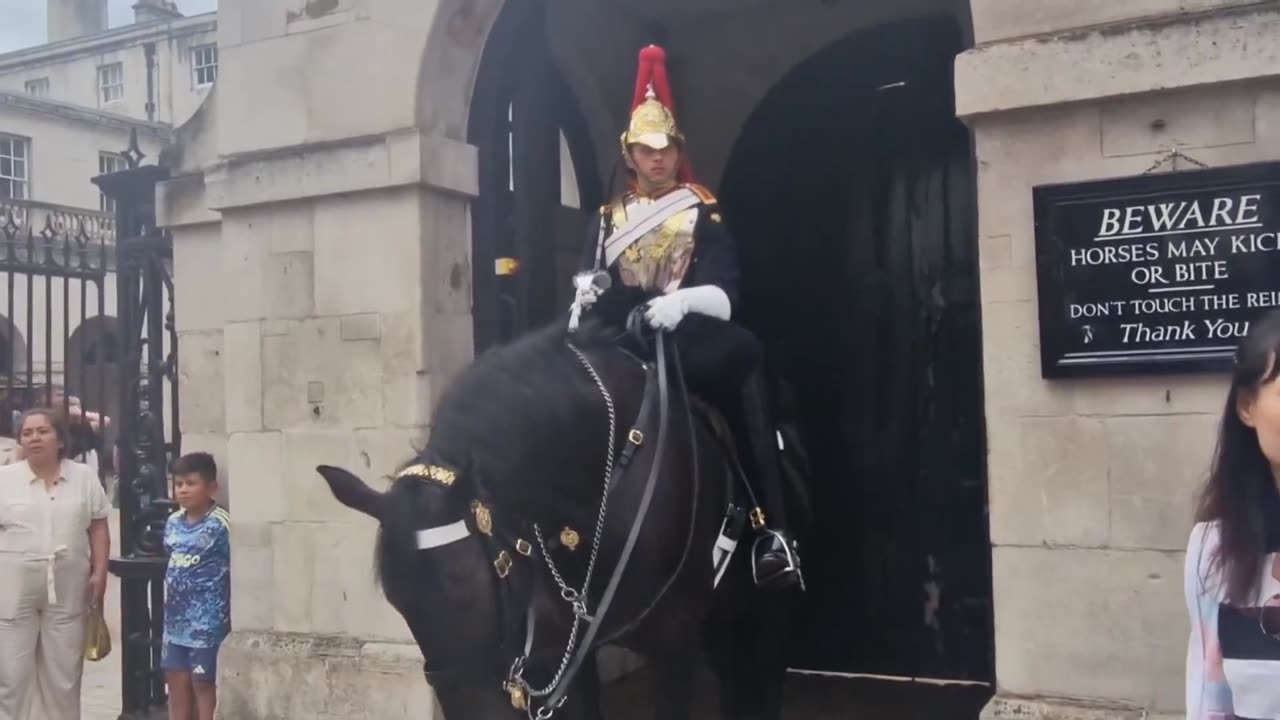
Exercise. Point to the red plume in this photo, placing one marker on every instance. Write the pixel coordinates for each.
(644, 73)
(653, 69)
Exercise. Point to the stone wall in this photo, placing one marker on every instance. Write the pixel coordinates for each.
(315, 255)
(1092, 482)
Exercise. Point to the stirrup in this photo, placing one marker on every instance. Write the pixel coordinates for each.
(793, 561)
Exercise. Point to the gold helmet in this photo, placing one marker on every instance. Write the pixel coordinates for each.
(653, 121)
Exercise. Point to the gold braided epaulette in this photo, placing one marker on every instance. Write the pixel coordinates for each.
(435, 473)
(704, 195)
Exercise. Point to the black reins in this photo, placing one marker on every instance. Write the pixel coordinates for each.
(586, 647)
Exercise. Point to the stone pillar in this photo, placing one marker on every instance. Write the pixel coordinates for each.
(67, 19)
(1092, 481)
(323, 301)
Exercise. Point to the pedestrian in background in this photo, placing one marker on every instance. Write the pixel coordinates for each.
(54, 546)
(1232, 577)
(197, 583)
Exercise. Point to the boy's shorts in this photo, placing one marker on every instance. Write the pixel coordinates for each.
(202, 663)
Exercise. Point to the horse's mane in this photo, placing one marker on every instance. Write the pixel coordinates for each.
(518, 404)
(515, 412)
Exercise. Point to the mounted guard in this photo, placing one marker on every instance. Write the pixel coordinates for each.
(536, 526)
(664, 246)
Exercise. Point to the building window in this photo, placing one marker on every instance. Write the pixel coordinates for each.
(111, 83)
(108, 163)
(204, 61)
(38, 87)
(14, 153)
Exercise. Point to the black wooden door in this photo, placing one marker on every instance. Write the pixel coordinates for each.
(523, 232)
(851, 194)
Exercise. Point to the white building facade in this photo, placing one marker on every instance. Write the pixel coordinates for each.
(68, 109)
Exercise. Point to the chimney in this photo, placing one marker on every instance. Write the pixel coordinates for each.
(152, 10)
(74, 18)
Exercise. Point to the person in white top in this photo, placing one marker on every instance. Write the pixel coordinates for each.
(1232, 578)
(54, 546)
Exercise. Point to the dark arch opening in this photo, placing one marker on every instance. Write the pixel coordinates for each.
(521, 109)
(851, 194)
(93, 369)
(13, 352)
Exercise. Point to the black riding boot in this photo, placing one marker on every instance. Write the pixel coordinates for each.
(776, 564)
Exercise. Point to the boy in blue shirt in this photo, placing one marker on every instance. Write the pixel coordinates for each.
(197, 588)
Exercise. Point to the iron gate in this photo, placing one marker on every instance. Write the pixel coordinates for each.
(148, 430)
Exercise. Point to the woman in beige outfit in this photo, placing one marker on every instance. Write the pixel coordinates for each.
(54, 545)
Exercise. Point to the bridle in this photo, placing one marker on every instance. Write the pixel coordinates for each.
(508, 548)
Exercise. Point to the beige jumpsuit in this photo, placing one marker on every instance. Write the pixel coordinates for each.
(44, 579)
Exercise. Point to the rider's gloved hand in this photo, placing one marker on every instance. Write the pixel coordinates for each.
(666, 312)
(588, 287)
(585, 297)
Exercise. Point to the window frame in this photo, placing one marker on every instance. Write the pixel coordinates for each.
(104, 88)
(37, 87)
(25, 159)
(197, 67)
(109, 162)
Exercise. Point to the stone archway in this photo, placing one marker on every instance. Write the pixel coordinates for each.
(452, 53)
(721, 74)
(722, 77)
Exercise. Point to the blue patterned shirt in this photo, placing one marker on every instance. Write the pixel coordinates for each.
(197, 584)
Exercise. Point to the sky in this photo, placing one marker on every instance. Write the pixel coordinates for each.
(22, 22)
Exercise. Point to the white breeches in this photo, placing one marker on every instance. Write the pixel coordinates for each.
(42, 640)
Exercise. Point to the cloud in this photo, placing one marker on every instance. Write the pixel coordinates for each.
(24, 20)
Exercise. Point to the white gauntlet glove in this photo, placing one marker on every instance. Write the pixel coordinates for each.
(585, 297)
(588, 287)
(667, 311)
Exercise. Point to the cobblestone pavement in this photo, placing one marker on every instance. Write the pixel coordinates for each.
(100, 690)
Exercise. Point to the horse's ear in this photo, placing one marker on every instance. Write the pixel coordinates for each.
(352, 491)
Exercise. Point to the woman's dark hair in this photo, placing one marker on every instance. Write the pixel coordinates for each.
(56, 421)
(1241, 482)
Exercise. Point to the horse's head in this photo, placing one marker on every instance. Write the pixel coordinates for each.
(437, 575)
(529, 429)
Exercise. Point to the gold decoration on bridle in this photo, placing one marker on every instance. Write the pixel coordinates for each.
(435, 473)
(652, 124)
(484, 518)
(569, 538)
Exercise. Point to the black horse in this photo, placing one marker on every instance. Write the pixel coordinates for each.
(487, 537)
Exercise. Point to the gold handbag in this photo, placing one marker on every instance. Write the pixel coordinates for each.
(97, 638)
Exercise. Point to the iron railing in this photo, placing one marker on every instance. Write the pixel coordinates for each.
(56, 341)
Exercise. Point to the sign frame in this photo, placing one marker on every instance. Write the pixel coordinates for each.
(1050, 201)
